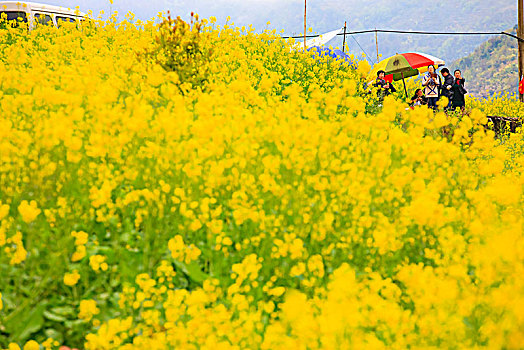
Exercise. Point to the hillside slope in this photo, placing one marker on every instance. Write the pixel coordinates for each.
(491, 68)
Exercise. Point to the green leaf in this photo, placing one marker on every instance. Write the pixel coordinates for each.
(8, 301)
(72, 324)
(63, 310)
(54, 317)
(26, 323)
(130, 263)
(193, 271)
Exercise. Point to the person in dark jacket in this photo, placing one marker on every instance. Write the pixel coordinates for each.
(459, 91)
(447, 87)
(385, 88)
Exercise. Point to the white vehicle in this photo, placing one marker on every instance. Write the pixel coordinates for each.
(34, 13)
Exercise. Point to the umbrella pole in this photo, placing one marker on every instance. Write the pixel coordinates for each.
(404, 82)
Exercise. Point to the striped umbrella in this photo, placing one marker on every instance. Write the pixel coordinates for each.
(404, 65)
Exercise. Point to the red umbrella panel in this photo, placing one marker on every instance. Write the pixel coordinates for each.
(406, 65)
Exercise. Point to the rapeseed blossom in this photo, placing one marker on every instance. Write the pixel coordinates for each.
(29, 211)
(4, 210)
(98, 262)
(88, 309)
(501, 105)
(31, 345)
(15, 249)
(81, 239)
(70, 279)
(274, 204)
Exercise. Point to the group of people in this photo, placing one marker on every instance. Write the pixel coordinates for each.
(434, 87)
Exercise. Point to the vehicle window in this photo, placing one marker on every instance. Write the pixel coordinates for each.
(81, 22)
(41, 18)
(15, 18)
(61, 19)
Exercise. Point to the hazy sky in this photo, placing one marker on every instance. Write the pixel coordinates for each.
(327, 15)
(323, 15)
(146, 9)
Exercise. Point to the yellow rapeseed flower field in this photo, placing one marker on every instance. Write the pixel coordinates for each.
(260, 199)
(503, 105)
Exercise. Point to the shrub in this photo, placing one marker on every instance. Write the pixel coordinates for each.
(181, 47)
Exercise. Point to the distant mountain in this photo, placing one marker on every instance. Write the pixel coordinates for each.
(491, 68)
(326, 15)
(442, 15)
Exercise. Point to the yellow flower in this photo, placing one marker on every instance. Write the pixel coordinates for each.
(81, 237)
(29, 211)
(31, 345)
(97, 262)
(278, 291)
(70, 279)
(79, 254)
(4, 210)
(195, 225)
(176, 246)
(88, 309)
(18, 254)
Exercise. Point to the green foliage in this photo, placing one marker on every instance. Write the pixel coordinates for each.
(179, 48)
(491, 68)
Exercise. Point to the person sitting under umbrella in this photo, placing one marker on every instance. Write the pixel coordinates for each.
(419, 99)
(385, 87)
